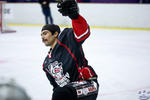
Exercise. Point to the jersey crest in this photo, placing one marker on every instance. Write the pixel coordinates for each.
(56, 70)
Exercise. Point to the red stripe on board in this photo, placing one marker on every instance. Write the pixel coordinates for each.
(2, 61)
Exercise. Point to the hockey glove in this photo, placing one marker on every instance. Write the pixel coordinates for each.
(86, 73)
(69, 8)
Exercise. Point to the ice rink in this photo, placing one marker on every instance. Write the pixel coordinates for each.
(121, 59)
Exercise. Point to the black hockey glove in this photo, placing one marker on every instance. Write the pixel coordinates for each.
(69, 8)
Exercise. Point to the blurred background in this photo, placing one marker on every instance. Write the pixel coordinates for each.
(118, 48)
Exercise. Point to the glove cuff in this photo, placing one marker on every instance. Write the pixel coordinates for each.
(74, 16)
(86, 73)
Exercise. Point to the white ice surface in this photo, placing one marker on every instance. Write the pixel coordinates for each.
(121, 59)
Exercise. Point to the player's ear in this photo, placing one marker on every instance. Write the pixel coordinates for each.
(56, 34)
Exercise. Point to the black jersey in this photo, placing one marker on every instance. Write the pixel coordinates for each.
(63, 64)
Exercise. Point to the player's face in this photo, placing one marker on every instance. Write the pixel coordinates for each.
(47, 38)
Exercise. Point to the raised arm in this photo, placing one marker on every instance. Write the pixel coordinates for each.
(80, 28)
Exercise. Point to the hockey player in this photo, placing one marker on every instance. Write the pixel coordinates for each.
(65, 65)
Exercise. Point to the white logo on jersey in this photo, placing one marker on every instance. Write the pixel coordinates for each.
(56, 70)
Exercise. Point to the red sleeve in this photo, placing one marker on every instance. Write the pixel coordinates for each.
(80, 28)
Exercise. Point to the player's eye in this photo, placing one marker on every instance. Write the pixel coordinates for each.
(44, 33)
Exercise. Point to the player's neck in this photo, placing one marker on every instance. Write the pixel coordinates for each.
(53, 45)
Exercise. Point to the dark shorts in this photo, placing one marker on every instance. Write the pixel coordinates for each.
(83, 90)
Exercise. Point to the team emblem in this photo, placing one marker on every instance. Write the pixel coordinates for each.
(56, 70)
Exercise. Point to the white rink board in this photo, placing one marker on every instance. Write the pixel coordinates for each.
(97, 14)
